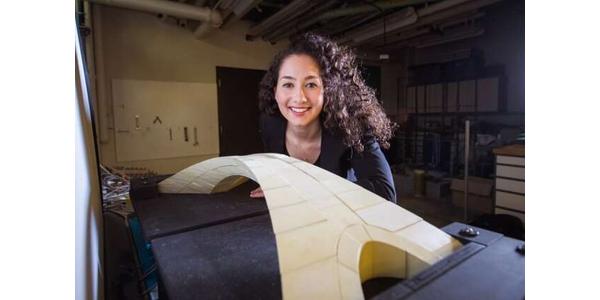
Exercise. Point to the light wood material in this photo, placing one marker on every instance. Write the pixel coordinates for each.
(510, 160)
(511, 150)
(510, 185)
(510, 172)
(331, 234)
(510, 200)
(510, 180)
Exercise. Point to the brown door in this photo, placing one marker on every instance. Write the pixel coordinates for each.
(237, 92)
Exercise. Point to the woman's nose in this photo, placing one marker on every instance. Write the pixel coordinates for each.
(300, 95)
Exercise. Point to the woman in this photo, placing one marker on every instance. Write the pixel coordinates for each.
(316, 107)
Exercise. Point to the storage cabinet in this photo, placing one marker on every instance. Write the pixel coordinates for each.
(510, 181)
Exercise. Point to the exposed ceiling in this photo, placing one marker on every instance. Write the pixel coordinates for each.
(369, 25)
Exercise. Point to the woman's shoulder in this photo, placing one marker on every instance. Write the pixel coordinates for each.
(368, 140)
(271, 123)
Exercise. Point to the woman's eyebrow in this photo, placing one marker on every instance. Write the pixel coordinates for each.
(311, 77)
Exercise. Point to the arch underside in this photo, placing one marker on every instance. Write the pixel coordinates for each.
(322, 223)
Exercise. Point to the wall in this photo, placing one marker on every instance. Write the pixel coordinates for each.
(89, 281)
(503, 43)
(136, 45)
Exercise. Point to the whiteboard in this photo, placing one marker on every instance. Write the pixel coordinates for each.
(158, 119)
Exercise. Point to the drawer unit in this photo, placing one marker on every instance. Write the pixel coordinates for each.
(510, 200)
(510, 172)
(510, 160)
(510, 186)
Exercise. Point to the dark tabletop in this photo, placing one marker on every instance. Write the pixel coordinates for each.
(210, 246)
(496, 272)
(234, 260)
(166, 214)
(488, 266)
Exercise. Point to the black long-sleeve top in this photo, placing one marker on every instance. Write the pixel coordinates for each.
(368, 169)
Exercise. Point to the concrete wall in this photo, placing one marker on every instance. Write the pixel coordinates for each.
(136, 45)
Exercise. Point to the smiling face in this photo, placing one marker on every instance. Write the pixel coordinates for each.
(299, 90)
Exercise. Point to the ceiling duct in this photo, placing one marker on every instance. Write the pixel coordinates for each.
(368, 11)
(401, 38)
(292, 27)
(378, 6)
(292, 10)
(452, 37)
(374, 29)
(210, 18)
(242, 7)
(440, 11)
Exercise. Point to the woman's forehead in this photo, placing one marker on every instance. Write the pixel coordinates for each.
(299, 66)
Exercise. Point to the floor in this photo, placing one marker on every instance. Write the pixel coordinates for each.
(435, 211)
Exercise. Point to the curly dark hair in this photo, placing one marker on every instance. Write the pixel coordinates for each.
(350, 106)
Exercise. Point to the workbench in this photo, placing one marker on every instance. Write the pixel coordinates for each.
(210, 246)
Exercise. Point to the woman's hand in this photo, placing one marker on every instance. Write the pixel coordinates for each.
(257, 193)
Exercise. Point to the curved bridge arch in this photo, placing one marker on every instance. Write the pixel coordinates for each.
(322, 223)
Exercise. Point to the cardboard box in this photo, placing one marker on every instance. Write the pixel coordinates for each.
(437, 189)
(480, 194)
(405, 185)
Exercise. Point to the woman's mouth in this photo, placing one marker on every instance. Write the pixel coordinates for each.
(299, 110)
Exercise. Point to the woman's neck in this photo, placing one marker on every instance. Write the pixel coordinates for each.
(308, 133)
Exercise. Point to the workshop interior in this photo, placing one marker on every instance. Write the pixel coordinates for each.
(164, 85)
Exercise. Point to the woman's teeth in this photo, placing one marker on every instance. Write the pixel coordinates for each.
(299, 110)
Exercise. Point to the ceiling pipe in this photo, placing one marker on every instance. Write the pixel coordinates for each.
(350, 23)
(406, 36)
(466, 19)
(242, 7)
(447, 14)
(292, 27)
(400, 38)
(211, 18)
(205, 27)
(378, 6)
(402, 18)
(450, 38)
(237, 9)
(437, 12)
(283, 15)
(431, 9)
(436, 38)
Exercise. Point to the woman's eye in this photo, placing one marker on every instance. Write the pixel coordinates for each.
(311, 85)
(287, 85)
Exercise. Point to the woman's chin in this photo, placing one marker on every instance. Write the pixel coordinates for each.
(297, 123)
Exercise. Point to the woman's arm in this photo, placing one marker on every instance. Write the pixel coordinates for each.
(373, 172)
